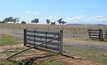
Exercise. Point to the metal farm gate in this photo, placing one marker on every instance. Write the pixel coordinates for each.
(50, 40)
(46, 40)
(95, 34)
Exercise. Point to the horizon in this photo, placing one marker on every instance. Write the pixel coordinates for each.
(72, 11)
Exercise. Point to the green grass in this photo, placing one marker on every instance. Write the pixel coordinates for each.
(7, 62)
(49, 63)
(7, 40)
(8, 53)
(92, 55)
(95, 40)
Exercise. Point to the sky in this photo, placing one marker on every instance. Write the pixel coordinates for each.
(72, 11)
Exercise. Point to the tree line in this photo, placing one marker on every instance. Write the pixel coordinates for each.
(36, 20)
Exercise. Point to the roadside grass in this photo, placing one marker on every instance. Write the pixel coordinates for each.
(50, 63)
(9, 52)
(95, 40)
(92, 55)
(7, 40)
(7, 62)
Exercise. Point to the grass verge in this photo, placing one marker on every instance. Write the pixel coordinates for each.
(49, 63)
(7, 40)
(87, 54)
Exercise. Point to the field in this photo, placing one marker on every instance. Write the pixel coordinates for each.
(77, 45)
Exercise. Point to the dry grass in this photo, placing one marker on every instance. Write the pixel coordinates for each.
(79, 50)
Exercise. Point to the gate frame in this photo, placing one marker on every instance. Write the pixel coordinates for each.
(60, 39)
(95, 34)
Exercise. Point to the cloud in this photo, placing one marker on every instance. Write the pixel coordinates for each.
(72, 20)
(31, 12)
(35, 13)
(87, 20)
(28, 11)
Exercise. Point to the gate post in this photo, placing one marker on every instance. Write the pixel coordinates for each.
(61, 42)
(100, 34)
(25, 37)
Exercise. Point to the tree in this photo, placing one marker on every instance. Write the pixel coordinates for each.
(6, 20)
(14, 20)
(53, 23)
(32, 21)
(36, 20)
(63, 22)
(47, 21)
(23, 22)
(17, 19)
(10, 19)
(59, 21)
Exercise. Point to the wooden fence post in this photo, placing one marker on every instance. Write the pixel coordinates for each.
(25, 37)
(61, 41)
(100, 34)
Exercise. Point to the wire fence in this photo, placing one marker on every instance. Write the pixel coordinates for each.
(69, 32)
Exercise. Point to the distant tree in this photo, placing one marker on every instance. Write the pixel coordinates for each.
(6, 20)
(36, 21)
(23, 22)
(59, 21)
(14, 20)
(53, 23)
(32, 21)
(47, 21)
(10, 19)
(17, 19)
(63, 22)
(2, 22)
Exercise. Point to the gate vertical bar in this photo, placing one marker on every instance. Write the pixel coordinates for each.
(25, 41)
(61, 41)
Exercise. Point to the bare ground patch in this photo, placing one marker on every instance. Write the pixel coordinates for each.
(37, 56)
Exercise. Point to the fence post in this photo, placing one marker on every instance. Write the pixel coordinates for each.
(61, 41)
(100, 34)
(25, 37)
(89, 33)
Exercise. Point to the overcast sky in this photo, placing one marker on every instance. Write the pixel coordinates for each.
(72, 11)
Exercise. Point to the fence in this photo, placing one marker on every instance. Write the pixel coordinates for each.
(105, 34)
(50, 40)
(96, 34)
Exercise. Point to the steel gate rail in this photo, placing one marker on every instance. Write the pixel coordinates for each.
(50, 40)
(95, 34)
(47, 40)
